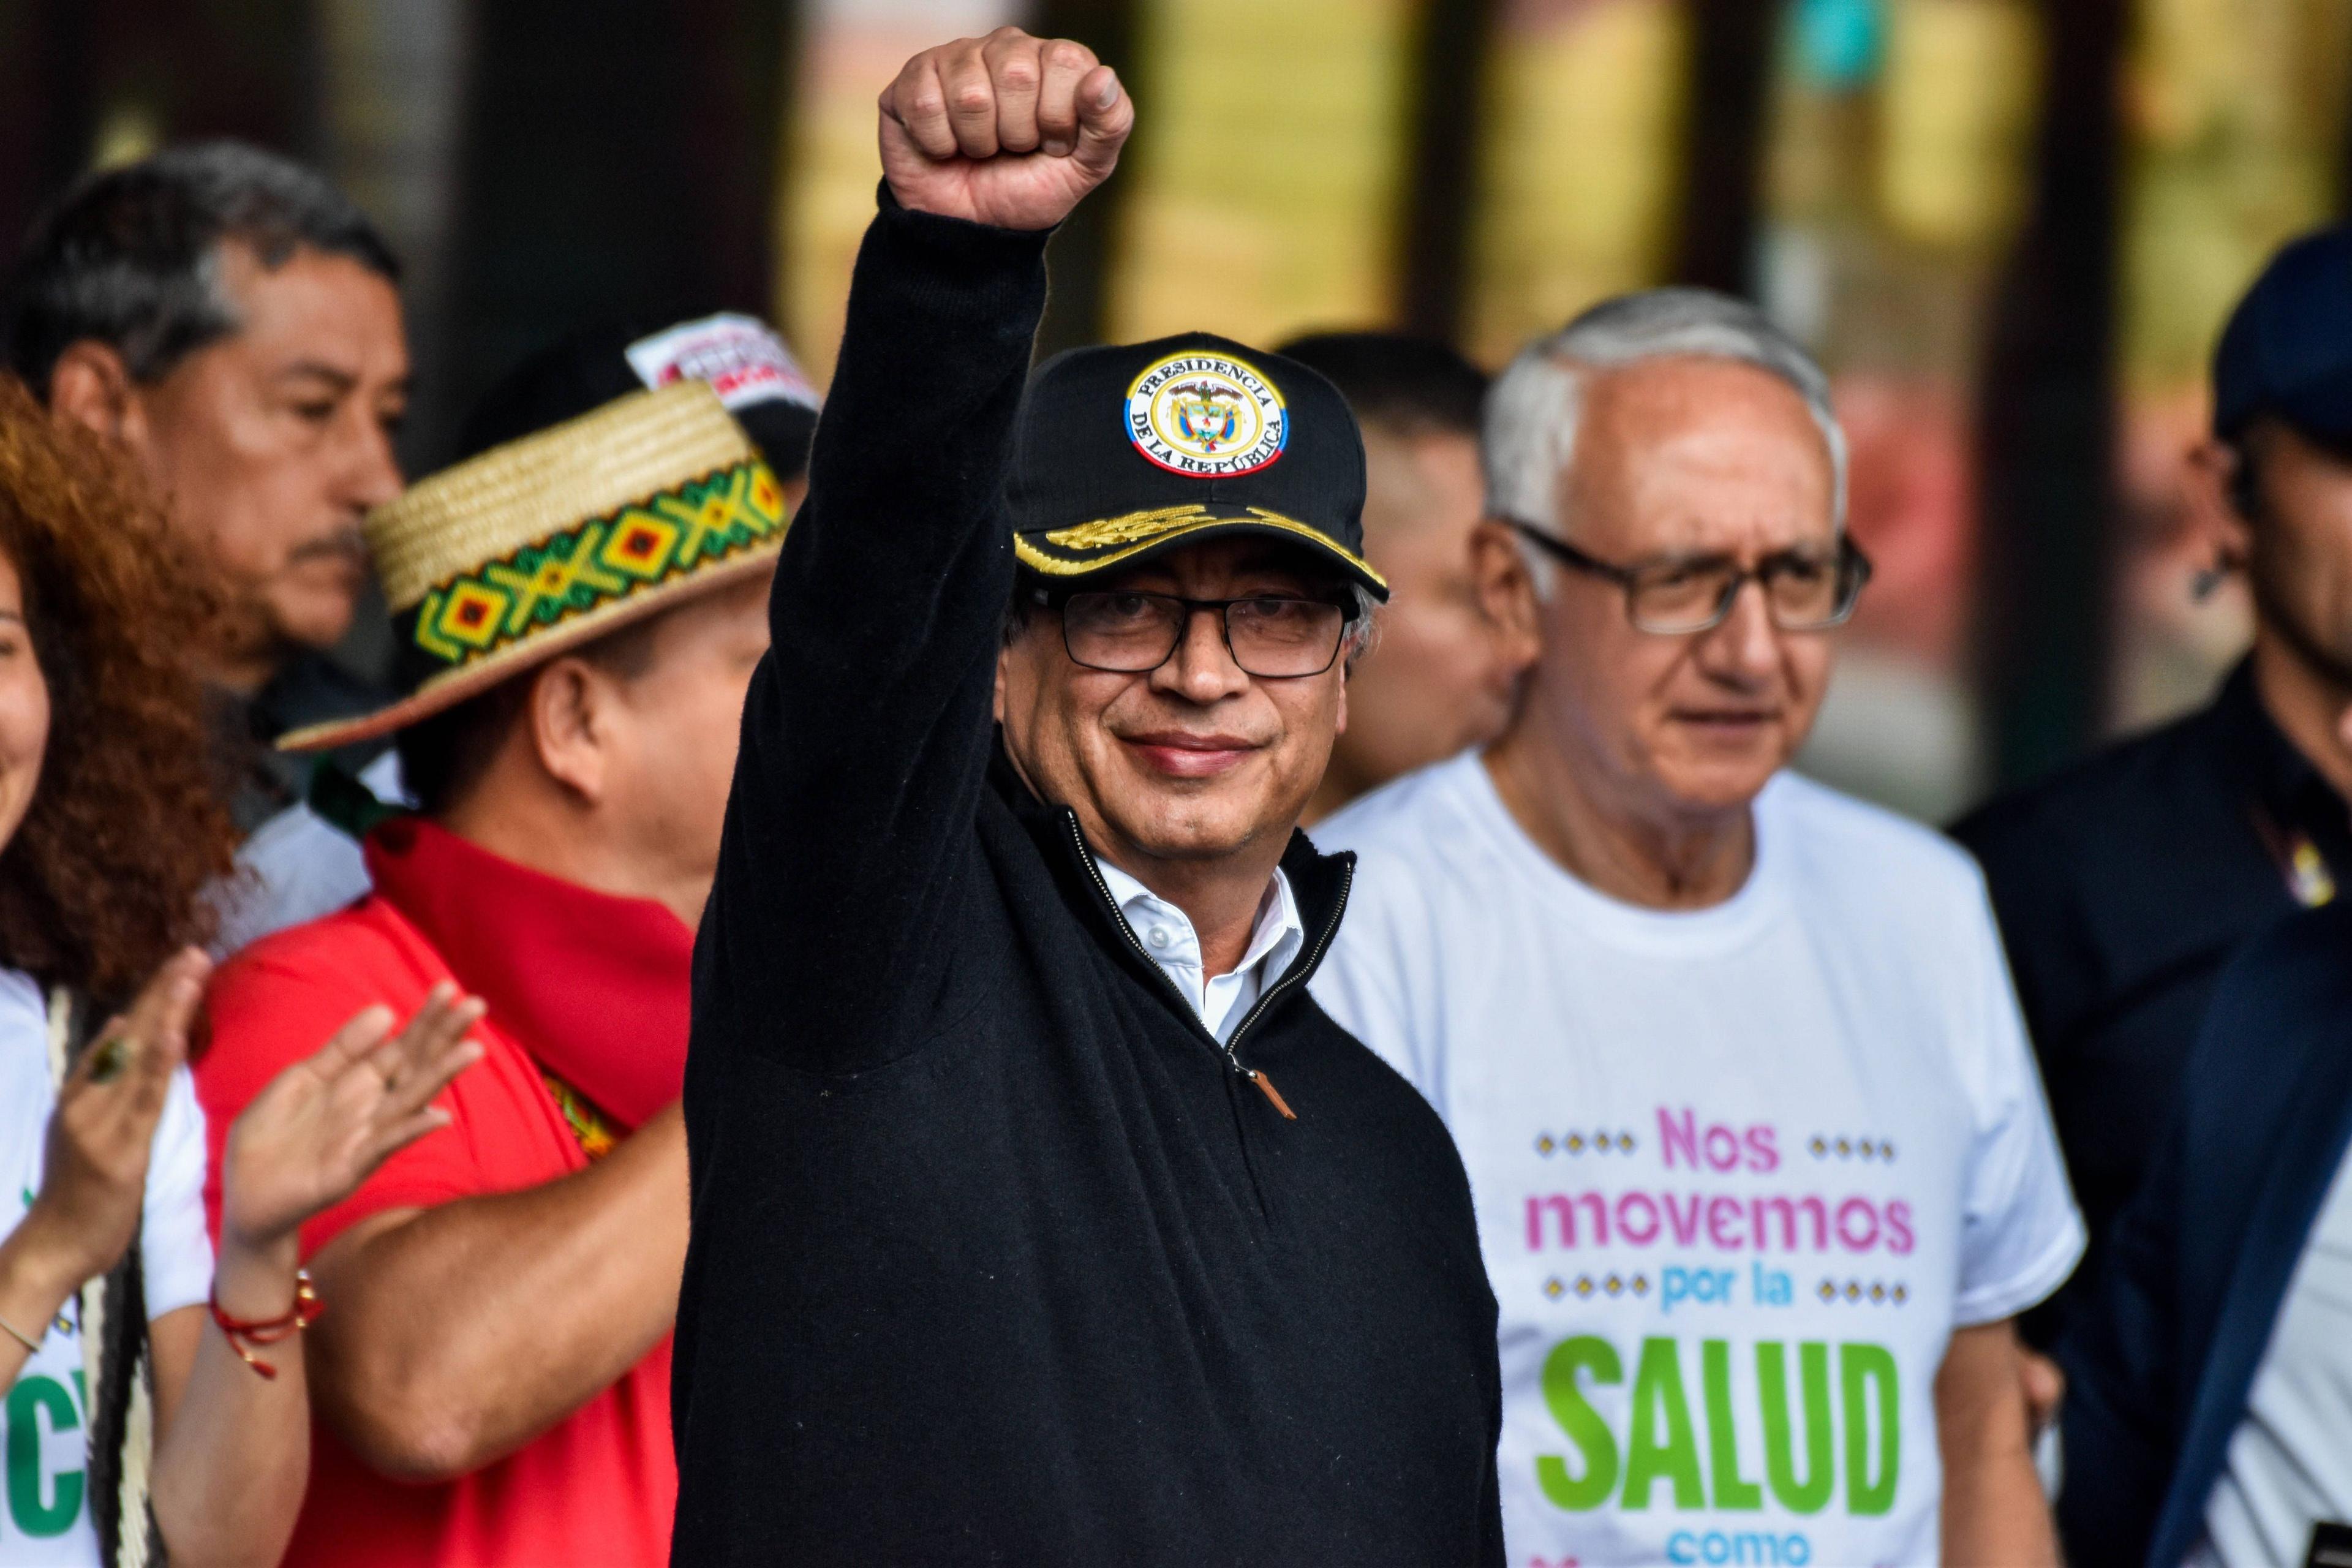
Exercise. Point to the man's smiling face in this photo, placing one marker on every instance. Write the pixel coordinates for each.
(1195, 760)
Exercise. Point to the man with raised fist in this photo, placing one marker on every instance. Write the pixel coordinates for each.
(1007, 1247)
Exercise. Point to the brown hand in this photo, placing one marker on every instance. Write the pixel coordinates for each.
(1008, 130)
(94, 1176)
(323, 1125)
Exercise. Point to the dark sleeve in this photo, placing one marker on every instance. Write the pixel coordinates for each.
(2123, 1383)
(1490, 1509)
(849, 844)
(2027, 852)
(2023, 860)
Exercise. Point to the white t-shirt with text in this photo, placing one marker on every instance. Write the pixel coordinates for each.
(1739, 1172)
(46, 1519)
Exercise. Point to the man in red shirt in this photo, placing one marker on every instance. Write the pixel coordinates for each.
(579, 612)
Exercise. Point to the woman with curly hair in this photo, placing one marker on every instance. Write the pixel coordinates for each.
(120, 1335)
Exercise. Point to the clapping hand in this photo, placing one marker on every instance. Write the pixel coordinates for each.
(323, 1125)
(94, 1176)
(1008, 130)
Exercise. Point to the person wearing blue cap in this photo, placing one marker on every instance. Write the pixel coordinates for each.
(2123, 884)
(2208, 1346)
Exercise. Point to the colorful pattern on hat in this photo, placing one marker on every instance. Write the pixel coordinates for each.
(551, 540)
(603, 560)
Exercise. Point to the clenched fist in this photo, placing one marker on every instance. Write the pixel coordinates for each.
(1008, 130)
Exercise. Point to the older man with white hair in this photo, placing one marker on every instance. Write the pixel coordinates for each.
(1761, 1164)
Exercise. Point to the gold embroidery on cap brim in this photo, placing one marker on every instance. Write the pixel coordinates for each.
(1054, 566)
(1127, 528)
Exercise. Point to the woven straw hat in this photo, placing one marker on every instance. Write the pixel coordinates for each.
(552, 541)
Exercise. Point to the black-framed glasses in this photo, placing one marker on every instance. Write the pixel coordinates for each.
(1804, 589)
(1271, 636)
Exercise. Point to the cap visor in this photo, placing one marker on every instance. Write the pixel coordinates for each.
(2321, 410)
(1124, 542)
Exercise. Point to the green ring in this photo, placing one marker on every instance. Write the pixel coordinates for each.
(113, 1054)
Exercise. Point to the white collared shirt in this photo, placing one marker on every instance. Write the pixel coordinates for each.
(1222, 1000)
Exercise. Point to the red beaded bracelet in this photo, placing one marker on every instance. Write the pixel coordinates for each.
(270, 1331)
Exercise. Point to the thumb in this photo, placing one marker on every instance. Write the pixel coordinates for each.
(189, 969)
(1105, 114)
(161, 1019)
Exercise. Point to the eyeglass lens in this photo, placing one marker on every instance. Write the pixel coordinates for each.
(1131, 633)
(1802, 592)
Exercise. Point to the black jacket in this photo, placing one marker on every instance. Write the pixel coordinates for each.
(2160, 1361)
(2123, 886)
(995, 1256)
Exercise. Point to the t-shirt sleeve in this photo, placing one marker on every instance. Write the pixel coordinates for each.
(2020, 1233)
(1365, 977)
(271, 1008)
(174, 1249)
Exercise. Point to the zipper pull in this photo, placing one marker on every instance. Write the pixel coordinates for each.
(1272, 1093)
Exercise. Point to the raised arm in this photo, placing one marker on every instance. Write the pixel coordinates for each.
(867, 730)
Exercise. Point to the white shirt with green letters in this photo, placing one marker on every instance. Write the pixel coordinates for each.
(1739, 1172)
(44, 1424)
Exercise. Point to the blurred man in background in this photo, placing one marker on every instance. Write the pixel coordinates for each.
(578, 612)
(1442, 672)
(306, 861)
(1733, 1059)
(233, 322)
(2124, 884)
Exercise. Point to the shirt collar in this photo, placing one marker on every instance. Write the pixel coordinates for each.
(1278, 931)
(595, 987)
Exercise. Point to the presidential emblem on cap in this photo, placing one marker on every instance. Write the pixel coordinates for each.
(1209, 416)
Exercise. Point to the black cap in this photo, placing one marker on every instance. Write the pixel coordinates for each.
(1125, 452)
(2288, 350)
(741, 357)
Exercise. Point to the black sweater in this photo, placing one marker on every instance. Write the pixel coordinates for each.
(995, 1258)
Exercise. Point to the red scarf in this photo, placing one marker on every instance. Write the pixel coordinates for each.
(595, 987)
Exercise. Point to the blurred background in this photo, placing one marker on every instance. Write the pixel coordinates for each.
(2010, 228)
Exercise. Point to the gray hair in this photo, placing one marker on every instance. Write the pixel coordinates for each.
(131, 257)
(1533, 412)
(1363, 623)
